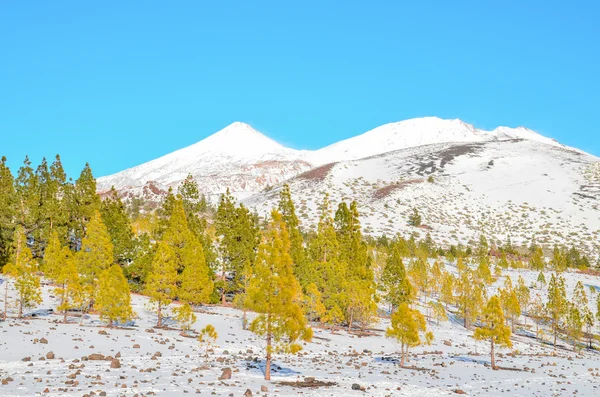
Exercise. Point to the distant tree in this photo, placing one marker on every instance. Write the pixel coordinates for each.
(397, 288)
(493, 327)
(510, 302)
(414, 218)
(556, 304)
(574, 324)
(523, 295)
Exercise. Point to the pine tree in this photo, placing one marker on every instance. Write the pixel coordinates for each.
(447, 292)
(114, 216)
(415, 218)
(557, 304)
(536, 260)
(23, 268)
(84, 202)
(8, 208)
(27, 193)
(538, 312)
(574, 324)
(313, 303)
(113, 297)
(185, 317)
(406, 324)
(493, 327)
(161, 285)
(237, 231)
(470, 297)
(510, 302)
(195, 283)
(288, 212)
(275, 294)
(397, 288)
(59, 266)
(208, 336)
(96, 253)
(523, 295)
(70, 290)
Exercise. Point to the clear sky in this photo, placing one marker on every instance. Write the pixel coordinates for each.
(118, 83)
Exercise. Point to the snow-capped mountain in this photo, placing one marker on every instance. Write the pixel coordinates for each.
(518, 188)
(242, 159)
(238, 157)
(506, 182)
(417, 132)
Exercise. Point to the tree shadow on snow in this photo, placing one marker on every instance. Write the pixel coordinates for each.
(276, 369)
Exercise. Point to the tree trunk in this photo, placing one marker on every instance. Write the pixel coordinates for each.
(159, 313)
(244, 320)
(269, 336)
(555, 332)
(5, 298)
(350, 321)
(223, 289)
(21, 307)
(492, 354)
(402, 356)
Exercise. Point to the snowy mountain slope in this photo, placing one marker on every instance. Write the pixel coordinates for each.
(417, 132)
(237, 157)
(244, 160)
(515, 188)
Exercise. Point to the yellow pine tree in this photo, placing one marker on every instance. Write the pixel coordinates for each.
(185, 317)
(70, 290)
(96, 254)
(59, 266)
(275, 294)
(23, 268)
(406, 326)
(113, 298)
(556, 304)
(510, 302)
(493, 327)
(161, 285)
(195, 283)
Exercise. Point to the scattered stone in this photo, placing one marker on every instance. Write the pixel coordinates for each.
(96, 357)
(355, 386)
(264, 389)
(44, 341)
(136, 346)
(459, 391)
(50, 355)
(226, 374)
(115, 363)
(248, 393)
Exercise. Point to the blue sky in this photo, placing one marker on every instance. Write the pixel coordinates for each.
(118, 84)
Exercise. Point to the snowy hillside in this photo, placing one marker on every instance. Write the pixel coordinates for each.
(515, 188)
(42, 356)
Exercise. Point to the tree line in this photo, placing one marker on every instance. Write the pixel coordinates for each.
(96, 250)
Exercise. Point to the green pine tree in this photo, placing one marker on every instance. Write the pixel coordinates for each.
(275, 294)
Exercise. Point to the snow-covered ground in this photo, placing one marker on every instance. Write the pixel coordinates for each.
(455, 361)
